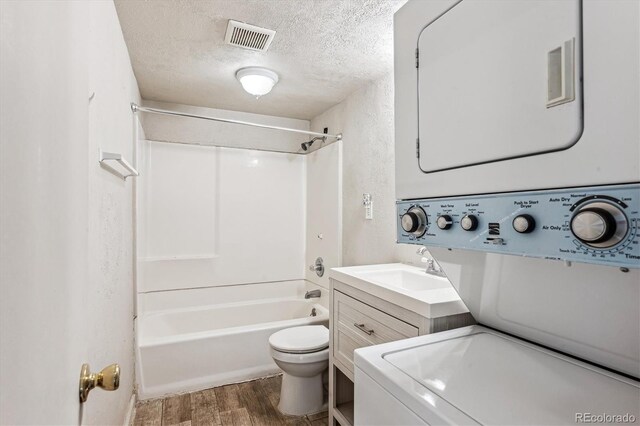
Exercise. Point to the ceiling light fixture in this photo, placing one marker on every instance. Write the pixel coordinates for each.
(256, 80)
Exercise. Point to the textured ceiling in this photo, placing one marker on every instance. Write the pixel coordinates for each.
(323, 50)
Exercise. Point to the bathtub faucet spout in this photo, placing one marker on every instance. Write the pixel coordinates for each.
(312, 293)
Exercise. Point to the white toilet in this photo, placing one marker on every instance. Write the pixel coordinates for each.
(303, 355)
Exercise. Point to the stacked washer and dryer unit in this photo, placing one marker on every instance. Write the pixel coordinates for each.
(518, 166)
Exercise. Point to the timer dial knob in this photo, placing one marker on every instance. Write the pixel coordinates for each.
(524, 223)
(414, 221)
(599, 225)
(593, 225)
(444, 221)
(469, 222)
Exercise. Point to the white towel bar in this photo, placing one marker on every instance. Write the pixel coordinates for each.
(106, 157)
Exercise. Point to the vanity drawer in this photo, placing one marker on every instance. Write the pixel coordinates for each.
(358, 325)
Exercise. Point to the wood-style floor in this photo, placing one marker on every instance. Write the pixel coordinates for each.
(244, 404)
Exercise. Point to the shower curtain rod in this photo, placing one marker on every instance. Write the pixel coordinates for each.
(211, 145)
(136, 108)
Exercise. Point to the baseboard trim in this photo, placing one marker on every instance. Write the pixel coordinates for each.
(131, 411)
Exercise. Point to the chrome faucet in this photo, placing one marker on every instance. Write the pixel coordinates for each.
(433, 268)
(312, 293)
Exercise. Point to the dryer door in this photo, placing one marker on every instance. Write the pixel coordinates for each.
(499, 80)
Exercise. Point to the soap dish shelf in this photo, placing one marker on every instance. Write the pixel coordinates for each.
(109, 158)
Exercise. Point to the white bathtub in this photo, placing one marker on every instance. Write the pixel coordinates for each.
(198, 345)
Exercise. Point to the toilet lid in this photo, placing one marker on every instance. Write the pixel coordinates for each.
(304, 339)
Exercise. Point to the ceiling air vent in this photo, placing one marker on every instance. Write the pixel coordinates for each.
(248, 36)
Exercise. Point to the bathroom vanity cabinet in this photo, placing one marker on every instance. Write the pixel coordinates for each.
(360, 318)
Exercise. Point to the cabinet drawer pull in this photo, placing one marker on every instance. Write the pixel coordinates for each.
(363, 328)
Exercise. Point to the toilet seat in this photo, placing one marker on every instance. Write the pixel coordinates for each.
(308, 358)
(300, 340)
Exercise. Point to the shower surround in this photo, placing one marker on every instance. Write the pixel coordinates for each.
(222, 247)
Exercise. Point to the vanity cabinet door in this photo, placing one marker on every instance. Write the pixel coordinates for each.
(357, 325)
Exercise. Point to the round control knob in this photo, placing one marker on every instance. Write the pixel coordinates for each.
(524, 223)
(414, 221)
(469, 222)
(593, 225)
(444, 221)
(599, 225)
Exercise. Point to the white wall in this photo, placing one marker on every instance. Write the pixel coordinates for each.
(324, 210)
(365, 119)
(113, 128)
(218, 216)
(66, 247)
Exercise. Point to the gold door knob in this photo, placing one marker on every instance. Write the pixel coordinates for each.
(107, 379)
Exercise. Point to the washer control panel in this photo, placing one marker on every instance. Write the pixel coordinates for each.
(598, 225)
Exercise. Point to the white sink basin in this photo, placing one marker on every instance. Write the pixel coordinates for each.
(404, 285)
(408, 280)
